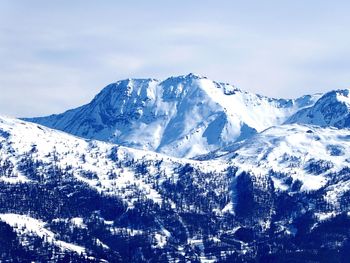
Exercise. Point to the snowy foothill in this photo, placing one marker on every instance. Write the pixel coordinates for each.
(105, 163)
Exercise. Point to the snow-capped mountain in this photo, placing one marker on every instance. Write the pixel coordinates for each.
(308, 155)
(103, 166)
(269, 179)
(91, 201)
(55, 186)
(332, 109)
(181, 116)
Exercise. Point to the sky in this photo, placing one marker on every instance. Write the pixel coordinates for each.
(56, 55)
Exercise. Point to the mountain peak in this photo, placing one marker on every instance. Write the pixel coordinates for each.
(187, 77)
(182, 116)
(332, 109)
(194, 76)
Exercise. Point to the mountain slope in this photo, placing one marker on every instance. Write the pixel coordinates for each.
(103, 166)
(50, 180)
(181, 116)
(296, 158)
(332, 109)
(260, 199)
(308, 155)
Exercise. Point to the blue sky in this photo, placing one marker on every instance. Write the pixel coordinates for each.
(57, 55)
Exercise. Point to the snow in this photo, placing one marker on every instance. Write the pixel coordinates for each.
(25, 225)
(228, 208)
(182, 116)
(78, 222)
(331, 110)
(325, 216)
(290, 150)
(86, 155)
(100, 243)
(161, 240)
(344, 97)
(129, 231)
(171, 121)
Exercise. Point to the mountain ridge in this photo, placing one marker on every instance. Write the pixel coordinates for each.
(332, 109)
(171, 115)
(93, 200)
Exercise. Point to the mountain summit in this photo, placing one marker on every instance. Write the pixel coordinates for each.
(331, 110)
(182, 116)
(263, 184)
